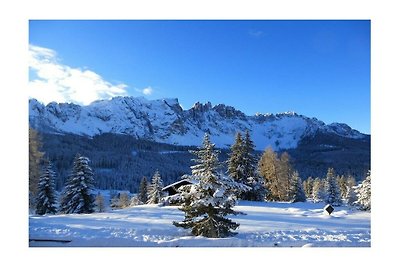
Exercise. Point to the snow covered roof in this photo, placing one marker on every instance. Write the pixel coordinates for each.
(173, 188)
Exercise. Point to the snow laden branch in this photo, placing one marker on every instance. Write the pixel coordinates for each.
(78, 196)
(210, 198)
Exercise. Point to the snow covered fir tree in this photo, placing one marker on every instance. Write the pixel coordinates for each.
(363, 192)
(142, 196)
(257, 190)
(155, 189)
(46, 200)
(318, 190)
(235, 161)
(210, 198)
(351, 196)
(296, 189)
(242, 166)
(78, 196)
(332, 191)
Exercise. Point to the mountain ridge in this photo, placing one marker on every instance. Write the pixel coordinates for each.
(165, 121)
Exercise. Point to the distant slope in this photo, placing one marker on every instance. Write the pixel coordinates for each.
(120, 161)
(315, 154)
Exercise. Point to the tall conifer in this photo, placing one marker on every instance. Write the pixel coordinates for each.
(46, 201)
(332, 191)
(143, 197)
(155, 189)
(363, 192)
(78, 196)
(208, 201)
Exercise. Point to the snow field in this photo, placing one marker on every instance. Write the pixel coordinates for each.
(265, 224)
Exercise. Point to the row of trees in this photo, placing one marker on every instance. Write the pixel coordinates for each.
(283, 183)
(340, 188)
(149, 193)
(78, 194)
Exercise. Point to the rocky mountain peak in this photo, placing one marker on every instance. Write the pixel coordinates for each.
(165, 121)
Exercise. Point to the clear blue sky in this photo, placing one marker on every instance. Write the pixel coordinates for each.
(315, 68)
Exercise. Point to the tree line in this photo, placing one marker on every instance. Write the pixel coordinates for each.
(78, 194)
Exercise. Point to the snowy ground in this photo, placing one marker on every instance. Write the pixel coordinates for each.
(265, 224)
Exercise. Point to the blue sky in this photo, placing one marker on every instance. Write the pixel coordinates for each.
(315, 68)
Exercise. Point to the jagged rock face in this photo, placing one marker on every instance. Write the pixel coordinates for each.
(165, 121)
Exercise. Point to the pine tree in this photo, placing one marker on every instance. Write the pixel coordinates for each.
(210, 198)
(135, 201)
(332, 191)
(35, 160)
(351, 195)
(318, 192)
(155, 189)
(78, 194)
(114, 202)
(342, 184)
(100, 204)
(308, 187)
(296, 189)
(363, 192)
(242, 168)
(235, 161)
(46, 201)
(143, 191)
(253, 179)
(249, 160)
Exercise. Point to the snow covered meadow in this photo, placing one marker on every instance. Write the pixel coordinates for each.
(264, 224)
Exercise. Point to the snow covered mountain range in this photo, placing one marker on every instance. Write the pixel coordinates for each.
(165, 121)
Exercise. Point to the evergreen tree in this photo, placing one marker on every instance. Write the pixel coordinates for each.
(249, 160)
(308, 187)
(46, 201)
(363, 192)
(332, 191)
(35, 159)
(143, 190)
(257, 190)
(155, 189)
(135, 201)
(318, 192)
(210, 198)
(296, 190)
(253, 179)
(78, 194)
(235, 161)
(342, 183)
(351, 195)
(242, 168)
(114, 202)
(99, 201)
